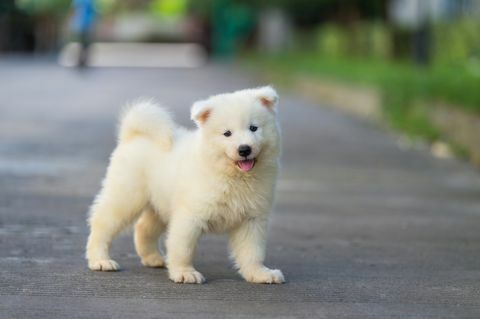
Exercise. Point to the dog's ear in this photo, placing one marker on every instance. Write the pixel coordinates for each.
(200, 112)
(268, 97)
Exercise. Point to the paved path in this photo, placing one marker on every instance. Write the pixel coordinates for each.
(361, 229)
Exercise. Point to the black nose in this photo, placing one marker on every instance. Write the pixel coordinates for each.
(244, 150)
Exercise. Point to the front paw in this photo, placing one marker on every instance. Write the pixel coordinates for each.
(103, 265)
(186, 276)
(264, 275)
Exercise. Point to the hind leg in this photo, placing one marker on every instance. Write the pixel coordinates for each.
(148, 229)
(116, 207)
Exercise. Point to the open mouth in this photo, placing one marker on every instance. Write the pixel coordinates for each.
(246, 165)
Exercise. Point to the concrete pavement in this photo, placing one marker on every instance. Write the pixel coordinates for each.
(361, 228)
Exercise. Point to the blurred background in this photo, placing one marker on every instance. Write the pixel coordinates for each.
(413, 64)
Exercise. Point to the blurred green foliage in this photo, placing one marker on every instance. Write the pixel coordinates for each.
(361, 53)
(457, 42)
(332, 41)
(105, 6)
(310, 12)
(168, 8)
(230, 23)
(7, 7)
(44, 6)
(407, 91)
(362, 39)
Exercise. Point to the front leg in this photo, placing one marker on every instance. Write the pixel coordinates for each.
(183, 235)
(248, 249)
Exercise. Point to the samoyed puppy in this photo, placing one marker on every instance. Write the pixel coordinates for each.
(219, 178)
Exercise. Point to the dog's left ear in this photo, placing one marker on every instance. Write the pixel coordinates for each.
(268, 97)
(200, 112)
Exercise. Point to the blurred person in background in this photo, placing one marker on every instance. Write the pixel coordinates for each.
(83, 21)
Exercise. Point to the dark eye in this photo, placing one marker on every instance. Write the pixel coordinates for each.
(227, 133)
(253, 128)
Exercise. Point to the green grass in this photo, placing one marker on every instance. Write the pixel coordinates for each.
(406, 90)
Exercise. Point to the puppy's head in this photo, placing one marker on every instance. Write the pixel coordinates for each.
(239, 129)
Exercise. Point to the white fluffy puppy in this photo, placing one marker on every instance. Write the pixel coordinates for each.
(218, 178)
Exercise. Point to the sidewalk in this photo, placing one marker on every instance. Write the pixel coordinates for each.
(361, 228)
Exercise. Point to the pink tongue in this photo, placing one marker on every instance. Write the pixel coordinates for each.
(246, 165)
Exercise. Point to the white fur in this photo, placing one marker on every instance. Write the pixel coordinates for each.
(188, 183)
(146, 118)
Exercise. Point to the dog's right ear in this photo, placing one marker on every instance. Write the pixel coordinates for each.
(268, 97)
(200, 112)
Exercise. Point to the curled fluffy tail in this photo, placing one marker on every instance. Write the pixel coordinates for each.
(146, 119)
